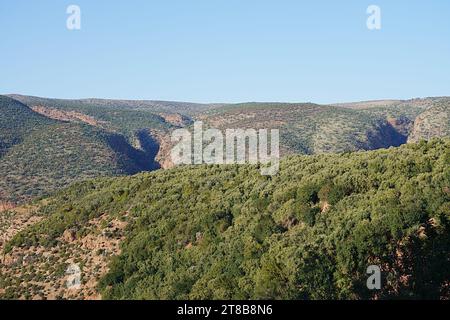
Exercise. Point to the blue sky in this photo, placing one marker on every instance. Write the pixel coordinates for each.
(226, 51)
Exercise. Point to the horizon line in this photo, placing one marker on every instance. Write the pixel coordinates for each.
(229, 103)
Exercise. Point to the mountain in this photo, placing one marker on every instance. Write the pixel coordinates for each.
(46, 144)
(310, 128)
(40, 153)
(17, 121)
(434, 122)
(227, 232)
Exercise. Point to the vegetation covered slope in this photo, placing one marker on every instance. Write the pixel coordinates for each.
(58, 155)
(421, 118)
(434, 122)
(46, 144)
(310, 232)
(145, 105)
(311, 128)
(305, 128)
(16, 122)
(39, 155)
(123, 116)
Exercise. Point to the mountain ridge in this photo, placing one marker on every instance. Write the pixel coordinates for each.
(146, 127)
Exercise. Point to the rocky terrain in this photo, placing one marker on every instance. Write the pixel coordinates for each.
(39, 272)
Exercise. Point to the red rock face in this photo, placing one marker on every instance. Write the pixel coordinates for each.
(434, 122)
(69, 116)
(402, 125)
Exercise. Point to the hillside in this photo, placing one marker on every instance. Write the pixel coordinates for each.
(16, 121)
(40, 154)
(434, 122)
(310, 128)
(59, 155)
(143, 105)
(416, 119)
(121, 116)
(221, 232)
(46, 144)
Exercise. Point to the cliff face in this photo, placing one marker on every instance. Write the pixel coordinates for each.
(402, 125)
(434, 122)
(387, 134)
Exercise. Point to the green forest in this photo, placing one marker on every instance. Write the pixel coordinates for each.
(310, 232)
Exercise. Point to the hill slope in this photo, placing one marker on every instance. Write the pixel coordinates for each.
(39, 154)
(221, 232)
(310, 128)
(46, 144)
(16, 121)
(434, 122)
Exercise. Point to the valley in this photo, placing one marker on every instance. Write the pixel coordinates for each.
(225, 159)
(47, 144)
(91, 183)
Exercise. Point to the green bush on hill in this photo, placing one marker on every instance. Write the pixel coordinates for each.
(310, 232)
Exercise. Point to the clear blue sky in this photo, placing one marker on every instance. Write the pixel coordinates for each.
(227, 50)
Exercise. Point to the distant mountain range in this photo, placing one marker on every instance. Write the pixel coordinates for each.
(46, 144)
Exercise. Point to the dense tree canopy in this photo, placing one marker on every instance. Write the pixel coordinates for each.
(310, 232)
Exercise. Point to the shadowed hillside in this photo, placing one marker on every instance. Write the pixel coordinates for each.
(16, 122)
(311, 128)
(39, 154)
